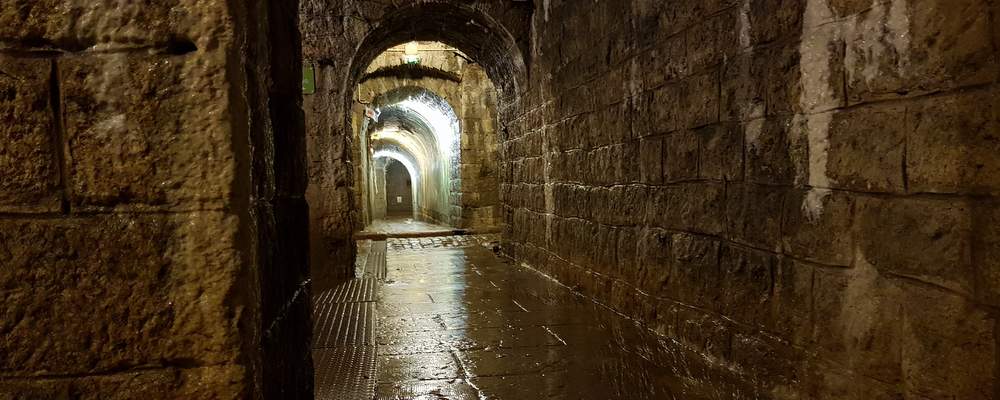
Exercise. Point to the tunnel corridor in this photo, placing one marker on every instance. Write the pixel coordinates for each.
(500, 199)
(446, 318)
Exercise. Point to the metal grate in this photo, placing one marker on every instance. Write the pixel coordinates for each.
(354, 291)
(345, 373)
(344, 324)
(375, 265)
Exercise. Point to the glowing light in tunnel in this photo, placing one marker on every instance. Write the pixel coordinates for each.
(444, 127)
(411, 53)
(404, 159)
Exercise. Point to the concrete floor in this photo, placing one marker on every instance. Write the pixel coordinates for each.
(451, 320)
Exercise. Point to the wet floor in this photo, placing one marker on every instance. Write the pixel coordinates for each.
(451, 320)
(402, 225)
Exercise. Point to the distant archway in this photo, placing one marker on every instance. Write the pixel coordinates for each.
(398, 190)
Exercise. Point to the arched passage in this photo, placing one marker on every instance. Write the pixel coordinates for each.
(382, 198)
(473, 32)
(399, 188)
(421, 124)
(493, 35)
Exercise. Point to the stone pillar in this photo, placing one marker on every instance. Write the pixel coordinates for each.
(139, 201)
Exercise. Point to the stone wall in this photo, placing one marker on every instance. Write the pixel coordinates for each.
(139, 202)
(333, 216)
(478, 183)
(805, 191)
(802, 190)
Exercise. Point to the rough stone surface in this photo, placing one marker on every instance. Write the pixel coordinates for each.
(171, 383)
(834, 207)
(74, 26)
(150, 159)
(800, 188)
(130, 135)
(60, 274)
(30, 179)
(952, 144)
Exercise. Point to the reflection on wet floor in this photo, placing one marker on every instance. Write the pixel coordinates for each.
(461, 323)
(398, 225)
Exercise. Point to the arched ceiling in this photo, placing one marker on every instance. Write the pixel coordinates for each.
(417, 120)
(458, 25)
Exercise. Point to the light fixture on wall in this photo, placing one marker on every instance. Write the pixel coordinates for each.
(411, 53)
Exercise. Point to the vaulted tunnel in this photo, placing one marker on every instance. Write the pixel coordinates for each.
(425, 129)
(636, 199)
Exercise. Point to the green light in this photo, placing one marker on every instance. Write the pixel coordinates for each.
(308, 79)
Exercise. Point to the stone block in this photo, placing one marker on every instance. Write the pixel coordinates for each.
(665, 110)
(653, 260)
(651, 161)
(844, 8)
(604, 250)
(747, 285)
(639, 110)
(705, 333)
(948, 346)
(865, 148)
(792, 87)
(953, 142)
(792, 311)
(627, 165)
(695, 275)
(671, 17)
(769, 151)
(698, 207)
(29, 166)
(771, 20)
(720, 151)
(658, 208)
(753, 214)
(775, 363)
(627, 253)
(665, 323)
(986, 251)
(99, 294)
(742, 97)
(910, 47)
(78, 25)
(214, 382)
(858, 324)
(601, 204)
(675, 66)
(930, 239)
(700, 99)
(628, 205)
(702, 44)
(680, 157)
(666, 61)
(619, 123)
(148, 131)
(694, 207)
(817, 226)
(833, 381)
